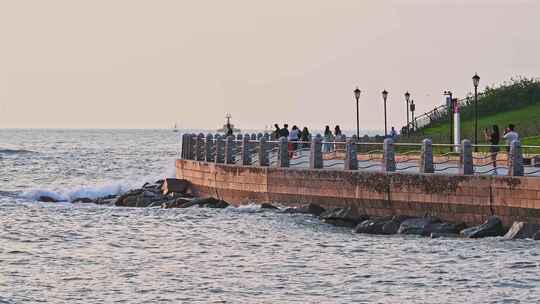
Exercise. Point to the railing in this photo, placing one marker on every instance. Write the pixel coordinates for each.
(349, 154)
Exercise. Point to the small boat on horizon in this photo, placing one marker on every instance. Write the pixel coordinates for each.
(175, 129)
(228, 124)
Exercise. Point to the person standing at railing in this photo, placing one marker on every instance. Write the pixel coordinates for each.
(328, 138)
(277, 132)
(493, 138)
(284, 132)
(305, 138)
(294, 135)
(393, 133)
(510, 135)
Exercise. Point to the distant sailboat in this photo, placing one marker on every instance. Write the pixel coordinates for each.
(175, 129)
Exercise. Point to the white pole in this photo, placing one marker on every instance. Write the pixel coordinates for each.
(457, 126)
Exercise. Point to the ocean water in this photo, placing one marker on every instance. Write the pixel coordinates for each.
(74, 253)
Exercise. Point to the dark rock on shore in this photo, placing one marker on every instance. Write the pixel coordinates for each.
(268, 206)
(373, 226)
(173, 185)
(140, 198)
(491, 227)
(82, 200)
(536, 236)
(344, 217)
(48, 199)
(522, 230)
(425, 226)
(306, 209)
(175, 203)
(209, 202)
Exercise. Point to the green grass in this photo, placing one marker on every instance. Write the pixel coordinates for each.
(526, 120)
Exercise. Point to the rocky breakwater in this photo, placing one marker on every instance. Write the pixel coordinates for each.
(167, 193)
(175, 193)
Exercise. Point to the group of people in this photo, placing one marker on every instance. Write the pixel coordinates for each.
(294, 135)
(494, 138)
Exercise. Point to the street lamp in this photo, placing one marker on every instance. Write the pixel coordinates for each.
(476, 80)
(413, 107)
(384, 96)
(407, 97)
(357, 96)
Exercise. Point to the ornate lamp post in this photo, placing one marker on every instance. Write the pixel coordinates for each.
(357, 96)
(407, 97)
(476, 80)
(413, 107)
(384, 96)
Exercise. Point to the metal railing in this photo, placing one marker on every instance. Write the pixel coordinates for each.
(349, 154)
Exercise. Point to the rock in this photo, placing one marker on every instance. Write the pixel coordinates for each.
(175, 203)
(140, 198)
(306, 209)
(82, 200)
(391, 227)
(345, 217)
(536, 236)
(436, 235)
(522, 230)
(491, 227)
(268, 206)
(372, 226)
(48, 199)
(173, 185)
(418, 226)
(210, 202)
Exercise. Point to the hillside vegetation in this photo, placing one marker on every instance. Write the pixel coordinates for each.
(516, 102)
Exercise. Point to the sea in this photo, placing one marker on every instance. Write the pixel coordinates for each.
(84, 253)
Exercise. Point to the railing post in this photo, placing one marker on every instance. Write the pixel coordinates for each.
(263, 152)
(389, 157)
(351, 159)
(283, 153)
(193, 146)
(253, 136)
(184, 146)
(315, 153)
(208, 148)
(199, 150)
(246, 151)
(229, 150)
(426, 158)
(466, 158)
(515, 159)
(220, 150)
(259, 135)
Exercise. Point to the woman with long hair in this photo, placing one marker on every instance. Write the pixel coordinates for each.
(328, 138)
(493, 138)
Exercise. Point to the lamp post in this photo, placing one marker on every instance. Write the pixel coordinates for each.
(357, 96)
(407, 97)
(476, 80)
(449, 104)
(413, 107)
(384, 96)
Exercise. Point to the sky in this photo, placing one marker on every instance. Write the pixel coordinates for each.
(150, 64)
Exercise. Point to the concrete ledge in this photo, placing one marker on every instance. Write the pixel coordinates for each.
(458, 198)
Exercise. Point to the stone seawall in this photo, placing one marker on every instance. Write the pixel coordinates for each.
(457, 198)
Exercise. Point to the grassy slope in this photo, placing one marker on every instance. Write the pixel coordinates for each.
(523, 118)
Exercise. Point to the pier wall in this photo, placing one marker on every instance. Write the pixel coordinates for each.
(458, 198)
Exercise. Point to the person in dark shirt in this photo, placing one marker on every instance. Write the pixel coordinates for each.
(493, 138)
(285, 131)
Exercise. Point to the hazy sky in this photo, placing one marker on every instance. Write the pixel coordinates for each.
(149, 64)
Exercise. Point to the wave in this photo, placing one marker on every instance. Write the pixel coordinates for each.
(8, 152)
(95, 191)
(68, 195)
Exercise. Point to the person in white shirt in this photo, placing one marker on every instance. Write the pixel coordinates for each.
(510, 135)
